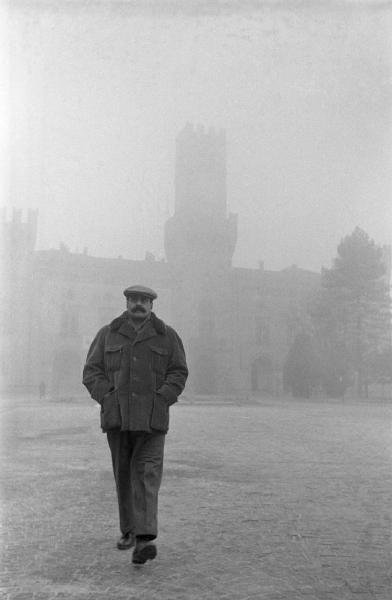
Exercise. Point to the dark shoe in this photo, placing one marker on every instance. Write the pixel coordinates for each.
(144, 551)
(126, 541)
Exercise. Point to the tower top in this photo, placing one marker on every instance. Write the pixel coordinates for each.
(200, 177)
(199, 132)
(200, 232)
(19, 234)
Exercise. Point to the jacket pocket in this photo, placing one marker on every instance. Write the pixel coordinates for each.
(160, 414)
(113, 355)
(159, 358)
(110, 412)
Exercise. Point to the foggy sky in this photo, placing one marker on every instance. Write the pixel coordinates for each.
(99, 90)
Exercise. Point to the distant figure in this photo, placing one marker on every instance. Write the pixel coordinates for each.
(42, 389)
(135, 370)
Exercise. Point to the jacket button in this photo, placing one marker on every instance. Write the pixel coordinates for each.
(134, 359)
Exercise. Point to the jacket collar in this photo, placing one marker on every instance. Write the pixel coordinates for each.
(154, 327)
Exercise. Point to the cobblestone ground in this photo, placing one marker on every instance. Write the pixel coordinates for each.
(276, 501)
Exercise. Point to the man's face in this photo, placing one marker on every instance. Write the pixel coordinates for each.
(139, 306)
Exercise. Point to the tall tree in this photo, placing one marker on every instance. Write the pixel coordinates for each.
(352, 315)
(301, 368)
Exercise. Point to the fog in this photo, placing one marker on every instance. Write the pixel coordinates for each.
(98, 91)
(280, 453)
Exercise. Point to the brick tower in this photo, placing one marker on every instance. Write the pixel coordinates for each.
(200, 240)
(17, 293)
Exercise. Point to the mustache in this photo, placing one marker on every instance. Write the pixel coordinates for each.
(138, 309)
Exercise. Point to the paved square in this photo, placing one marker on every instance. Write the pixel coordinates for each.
(282, 500)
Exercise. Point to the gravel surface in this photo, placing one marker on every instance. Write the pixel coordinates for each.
(280, 500)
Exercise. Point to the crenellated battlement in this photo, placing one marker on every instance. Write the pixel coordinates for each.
(19, 232)
(200, 134)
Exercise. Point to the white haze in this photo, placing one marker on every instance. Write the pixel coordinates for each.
(98, 92)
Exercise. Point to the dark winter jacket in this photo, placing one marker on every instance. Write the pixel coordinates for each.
(135, 377)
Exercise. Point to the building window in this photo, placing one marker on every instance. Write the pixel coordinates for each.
(69, 324)
(206, 318)
(262, 333)
(291, 332)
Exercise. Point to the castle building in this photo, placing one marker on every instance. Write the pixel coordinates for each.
(54, 301)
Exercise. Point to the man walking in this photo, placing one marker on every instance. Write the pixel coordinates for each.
(136, 369)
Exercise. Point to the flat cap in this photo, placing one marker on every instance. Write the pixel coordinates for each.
(141, 290)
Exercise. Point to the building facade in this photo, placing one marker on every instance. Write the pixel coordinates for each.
(54, 301)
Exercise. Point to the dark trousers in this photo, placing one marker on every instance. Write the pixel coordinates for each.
(137, 459)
